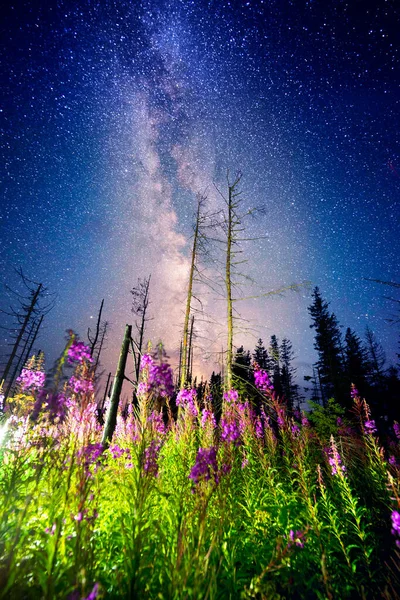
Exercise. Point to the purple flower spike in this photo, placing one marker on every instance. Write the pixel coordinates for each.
(31, 380)
(396, 429)
(262, 381)
(231, 396)
(94, 593)
(206, 466)
(370, 426)
(146, 361)
(79, 352)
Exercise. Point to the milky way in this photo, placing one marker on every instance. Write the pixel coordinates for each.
(116, 114)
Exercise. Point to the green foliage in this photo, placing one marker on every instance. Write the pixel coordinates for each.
(271, 520)
(325, 419)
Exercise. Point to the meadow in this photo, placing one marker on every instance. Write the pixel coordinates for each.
(191, 499)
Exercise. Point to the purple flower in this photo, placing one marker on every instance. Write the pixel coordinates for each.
(354, 393)
(207, 416)
(81, 386)
(396, 526)
(78, 517)
(187, 399)
(392, 461)
(79, 352)
(396, 429)
(31, 379)
(339, 421)
(296, 538)
(52, 530)
(230, 431)
(146, 361)
(334, 459)
(262, 380)
(295, 429)
(157, 421)
(151, 453)
(206, 466)
(117, 452)
(93, 594)
(90, 455)
(370, 426)
(259, 428)
(161, 379)
(231, 396)
(305, 422)
(143, 388)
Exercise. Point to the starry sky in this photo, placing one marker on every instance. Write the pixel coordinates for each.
(115, 114)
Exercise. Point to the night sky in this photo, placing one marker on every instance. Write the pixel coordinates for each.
(115, 114)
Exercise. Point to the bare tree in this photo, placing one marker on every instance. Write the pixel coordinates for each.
(38, 303)
(140, 304)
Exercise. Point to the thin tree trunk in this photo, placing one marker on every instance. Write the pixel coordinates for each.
(34, 339)
(101, 346)
(21, 333)
(190, 352)
(96, 337)
(142, 328)
(116, 389)
(228, 283)
(13, 376)
(185, 363)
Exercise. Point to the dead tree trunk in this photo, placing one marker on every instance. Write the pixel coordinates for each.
(116, 389)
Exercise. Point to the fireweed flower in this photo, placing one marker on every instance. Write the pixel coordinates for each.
(187, 399)
(334, 459)
(396, 429)
(231, 396)
(146, 361)
(89, 456)
(81, 386)
(150, 462)
(94, 593)
(396, 526)
(262, 380)
(392, 461)
(161, 379)
(79, 352)
(304, 421)
(143, 388)
(296, 539)
(207, 416)
(157, 422)
(230, 431)
(354, 393)
(295, 429)
(31, 379)
(206, 466)
(370, 426)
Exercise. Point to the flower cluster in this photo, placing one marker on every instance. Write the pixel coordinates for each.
(160, 379)
(231, 431)
(370, 426)
(187, 399)
(296, 538)
(354, 393)
(262, 380)
(157, 422)
(150, 463)
(206, 466)
(117, 452)
(396, 526)
(231, 396)
(90, 455)
(146, 361)
(81, 386)
(143, 388)
(31, 379)
(207, 416)
(334, 459)
(79, 352)
(396, 429)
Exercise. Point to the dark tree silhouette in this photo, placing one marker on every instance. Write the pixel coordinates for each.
(328, 345)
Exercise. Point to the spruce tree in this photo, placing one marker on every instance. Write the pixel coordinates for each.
(355, 361)
(275, 369)
(260, 356)
(328, 345)
(290, 389)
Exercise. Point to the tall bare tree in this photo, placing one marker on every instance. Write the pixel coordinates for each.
(140, 304)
